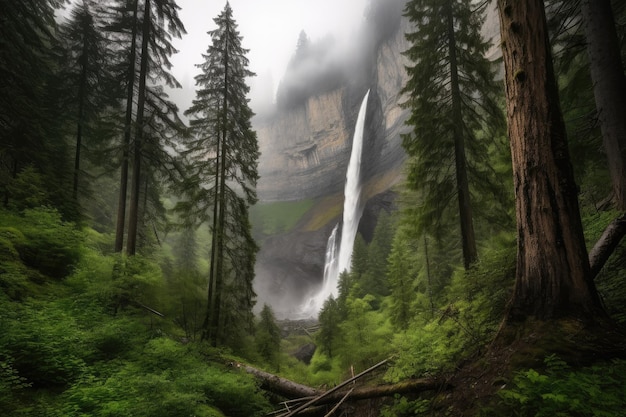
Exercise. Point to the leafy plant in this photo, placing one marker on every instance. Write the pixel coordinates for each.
(561, 391)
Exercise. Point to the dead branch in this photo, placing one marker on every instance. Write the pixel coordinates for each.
(606, 245)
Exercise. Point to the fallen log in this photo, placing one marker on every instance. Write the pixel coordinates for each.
(309, 397)
(405, 387)
(281, 386)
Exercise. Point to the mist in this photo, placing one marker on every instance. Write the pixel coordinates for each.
(321, 65)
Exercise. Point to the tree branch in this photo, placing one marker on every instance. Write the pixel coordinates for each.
(606, 245)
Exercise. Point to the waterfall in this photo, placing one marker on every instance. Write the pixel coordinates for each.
(352, 208)
(338, 257)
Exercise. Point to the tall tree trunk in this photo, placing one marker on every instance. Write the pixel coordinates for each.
(609, 88)
(206, 325)
(133, 214)
(82, 87)
(553, 276)
(470, 254)
(128, 120)
(221, 172)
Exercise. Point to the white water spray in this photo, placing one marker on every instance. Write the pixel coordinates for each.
(338, 257)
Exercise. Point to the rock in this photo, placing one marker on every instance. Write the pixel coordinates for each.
(305, 353)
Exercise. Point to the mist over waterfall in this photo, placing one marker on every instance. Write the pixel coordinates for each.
(338, 256)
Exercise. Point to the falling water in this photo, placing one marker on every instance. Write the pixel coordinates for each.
(352, 209)
(338, 257)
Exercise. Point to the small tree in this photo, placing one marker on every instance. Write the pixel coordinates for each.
(329, 319)
(268, 337)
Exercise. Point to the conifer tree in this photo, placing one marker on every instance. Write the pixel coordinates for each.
(143, 32)
(452, 96)
(223, 154)
(85, 79)
(30, 121)
(268, 336)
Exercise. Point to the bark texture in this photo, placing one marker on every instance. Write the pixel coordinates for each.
(553, 276)
(609, 88)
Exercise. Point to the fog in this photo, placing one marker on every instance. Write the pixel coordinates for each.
(340, 34)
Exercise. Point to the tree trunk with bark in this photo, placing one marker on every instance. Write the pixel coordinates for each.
(609, 88)
(553, 277)
(468, 237)
(130, 93)
(133, 214)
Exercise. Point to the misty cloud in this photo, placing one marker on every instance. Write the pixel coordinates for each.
(322, 65)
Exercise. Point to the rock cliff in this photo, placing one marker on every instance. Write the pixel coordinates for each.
(305, 150)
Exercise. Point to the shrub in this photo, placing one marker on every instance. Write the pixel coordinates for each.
(561, 391)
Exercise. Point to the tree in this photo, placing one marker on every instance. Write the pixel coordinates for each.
(609, 87)
(329, 319)
(85, 77)
(452, 96)
(268, 336)
(223, 154)
(153, 23)
(552, 274)
(31, 121)
(156, 49)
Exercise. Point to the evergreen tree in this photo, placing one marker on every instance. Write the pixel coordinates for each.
(85, 80)
(31, 121)
(329, 320)
(143, 32)
(223, 154)
(268, 337)
(452, 96)
(374, 280)
(160, 23)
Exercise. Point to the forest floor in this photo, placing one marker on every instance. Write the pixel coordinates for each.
(523, 346)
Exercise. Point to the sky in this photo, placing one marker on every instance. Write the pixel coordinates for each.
(270, 30)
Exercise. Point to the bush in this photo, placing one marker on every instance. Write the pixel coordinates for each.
(51, 245)
(560, 391)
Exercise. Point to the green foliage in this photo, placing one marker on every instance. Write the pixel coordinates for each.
(329, 318)
(166, 379)
(476, 300)
(43, 343)
(267, 337)
(27, 190)
(561, 391)
(50, 245)
(403, 407)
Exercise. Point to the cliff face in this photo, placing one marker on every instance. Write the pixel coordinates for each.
(305, 154)
(305, 150)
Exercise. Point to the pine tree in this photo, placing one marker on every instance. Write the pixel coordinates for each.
(329, 319)
(160, 23)
(31, 122)
(223, 154)
(267, 337)
(85, 80)
(143, 32)
(452, 96)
